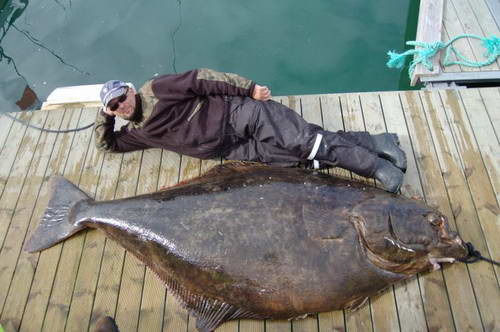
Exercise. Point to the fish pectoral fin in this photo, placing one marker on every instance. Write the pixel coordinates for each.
(209, 312)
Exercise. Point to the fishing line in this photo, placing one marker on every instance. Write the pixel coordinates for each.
(475, 256)
(47, 130)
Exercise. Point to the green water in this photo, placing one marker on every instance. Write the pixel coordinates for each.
(294, 47)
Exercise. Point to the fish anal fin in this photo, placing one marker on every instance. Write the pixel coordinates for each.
(357, 303)
(210, 313)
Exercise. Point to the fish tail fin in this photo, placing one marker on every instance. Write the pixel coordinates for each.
(58, 221)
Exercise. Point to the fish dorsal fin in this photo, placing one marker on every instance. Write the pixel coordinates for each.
(210, 313)
(234, 167)
(229, 168)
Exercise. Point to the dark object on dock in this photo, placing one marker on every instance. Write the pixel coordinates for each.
(28, 99)
(106, 324)
(251, 241)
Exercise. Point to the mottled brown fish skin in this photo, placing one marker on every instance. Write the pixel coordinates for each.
(276, 243)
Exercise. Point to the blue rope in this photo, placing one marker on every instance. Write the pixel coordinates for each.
(426, 51)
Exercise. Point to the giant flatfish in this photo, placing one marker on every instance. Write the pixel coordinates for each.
(251, 241)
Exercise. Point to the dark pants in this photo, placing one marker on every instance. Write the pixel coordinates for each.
(272, 133)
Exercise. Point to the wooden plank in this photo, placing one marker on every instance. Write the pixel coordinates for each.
(67, 160)
(248, 325)
(359, 320)
(459, 288)
(16, 181)
(16, 234)
(478, 128)
(408, 295)
(448, 69)
(475, 171)
(491, 98)
(208, 164)
(273, 325)
(89, 254)
(494, 7)
(68, 271)
(231, 326)
(153, 294)
(235, 325)
(332, 120)
(484, 134)
(429, 30)
(454, 27)
(309, 323)
(280, 325)
(176, 317)
(135, 271)
(485, 17)
(433, 292)
(312, 113)
(126, 166)
(27, 262)
(104, 298)
(384, 309)
(331, 109)
(9, 151)
(353, 121)
(465, 220)
(169, 175)
(270, 325)
(471, 25)
(5, 126)
(309, 108)
(465, 77)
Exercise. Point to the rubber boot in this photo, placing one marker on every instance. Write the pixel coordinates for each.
(335, 150)
(106, 324)
(386, 145)
(388, 175)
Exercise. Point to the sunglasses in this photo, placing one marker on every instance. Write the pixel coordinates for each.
(113, 106)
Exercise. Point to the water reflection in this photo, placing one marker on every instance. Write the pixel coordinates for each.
(327, 46)
(10, 11)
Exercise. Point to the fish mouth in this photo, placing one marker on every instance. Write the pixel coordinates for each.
(451, 246)
(436, 262)
(451, 249)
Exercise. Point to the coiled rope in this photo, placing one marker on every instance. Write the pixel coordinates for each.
(426, 51)
(475, 256)
(47, 130)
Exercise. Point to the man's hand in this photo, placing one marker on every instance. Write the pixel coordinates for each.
(261, 93)
(107, 111)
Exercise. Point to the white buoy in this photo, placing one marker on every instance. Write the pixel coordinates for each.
(75, 96)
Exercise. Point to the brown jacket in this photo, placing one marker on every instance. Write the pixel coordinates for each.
(184, 113)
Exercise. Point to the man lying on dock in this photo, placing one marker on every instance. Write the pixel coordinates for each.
(208, 114)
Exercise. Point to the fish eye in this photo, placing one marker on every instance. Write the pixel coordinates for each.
(435, 220)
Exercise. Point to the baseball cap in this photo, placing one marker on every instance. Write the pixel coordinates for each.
(112, 89)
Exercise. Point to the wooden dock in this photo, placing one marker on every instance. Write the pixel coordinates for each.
(443, 20)
(452, 141)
